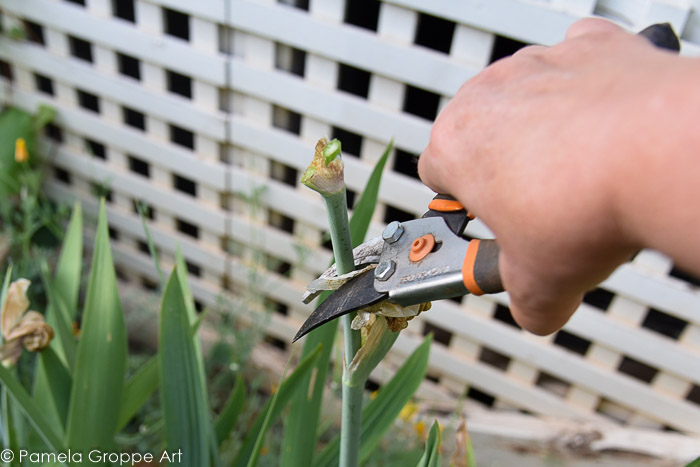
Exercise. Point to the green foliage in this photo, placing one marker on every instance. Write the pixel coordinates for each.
(80, 397)
(81, 400)
(372, 352)
(379, 414)
(30, 409)
(185, 407)
(432, 456)
(16, 33)
(100, 363)
(14, 124)
(302, 427)
(30, 224)
(301, 436)
(138, 389)
(273, 409)
(231, 412)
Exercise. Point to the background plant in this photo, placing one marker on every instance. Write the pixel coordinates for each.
(79, 395)
(30, 223)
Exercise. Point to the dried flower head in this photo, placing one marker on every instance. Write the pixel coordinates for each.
(325, 174)
(21, 328)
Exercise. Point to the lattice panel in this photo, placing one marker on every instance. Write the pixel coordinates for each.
(208, 112)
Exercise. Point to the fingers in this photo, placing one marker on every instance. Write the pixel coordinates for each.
(432, 173)
(541, 322)
(534, 304)
(592, 26)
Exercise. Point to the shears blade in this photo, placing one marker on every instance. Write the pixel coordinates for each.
(355, 294)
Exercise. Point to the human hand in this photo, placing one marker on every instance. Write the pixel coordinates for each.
(538, 145)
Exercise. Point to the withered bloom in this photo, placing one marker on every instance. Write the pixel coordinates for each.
(21, 328)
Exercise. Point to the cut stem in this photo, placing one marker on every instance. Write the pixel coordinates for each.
(325, 175)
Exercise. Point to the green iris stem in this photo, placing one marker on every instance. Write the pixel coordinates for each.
(351, 422)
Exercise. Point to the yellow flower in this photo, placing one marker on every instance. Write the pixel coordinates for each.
(21, 327)
(21, 153)
(408, 411)
(419, 428)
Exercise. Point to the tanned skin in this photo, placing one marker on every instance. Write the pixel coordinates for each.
(575, 156)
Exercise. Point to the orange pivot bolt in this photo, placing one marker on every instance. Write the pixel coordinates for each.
(420, 247)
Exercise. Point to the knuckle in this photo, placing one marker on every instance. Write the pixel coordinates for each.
(439, 137)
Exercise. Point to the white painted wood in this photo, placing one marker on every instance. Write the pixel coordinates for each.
(211, 10)
(416, 66)
(341, 109)
(121, 35)
(78, 74)
(523, 20)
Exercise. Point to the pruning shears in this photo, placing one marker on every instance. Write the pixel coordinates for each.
(426, 259)
(415, 262)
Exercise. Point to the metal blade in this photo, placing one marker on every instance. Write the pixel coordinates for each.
(366, 253)
(355, 294)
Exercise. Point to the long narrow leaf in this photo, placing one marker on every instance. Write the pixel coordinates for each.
(226, 421)
(302, 423)
(380, 413)
(15, 426)
(100, 364)
(262, 432)
(3, 293)
(9, 440)
(186, 292)
(8, 436)
(141, 208)
(138, 390)
(59, 380)
(182, 399)
(293, 384)
(70, 263)
(66, 282)
(364, 209)
(194, 323)
(58, 317)
(432, 456)
(31, 410)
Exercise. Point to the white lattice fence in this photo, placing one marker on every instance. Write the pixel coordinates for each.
(208, 112)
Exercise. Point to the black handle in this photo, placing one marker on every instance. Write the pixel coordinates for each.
(480, 271)
(451, 211)
(662, 36)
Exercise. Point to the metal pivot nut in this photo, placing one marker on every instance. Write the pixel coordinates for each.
(384, 270)
(392, 232)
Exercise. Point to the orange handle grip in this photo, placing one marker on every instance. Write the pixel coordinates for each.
(480, 271)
